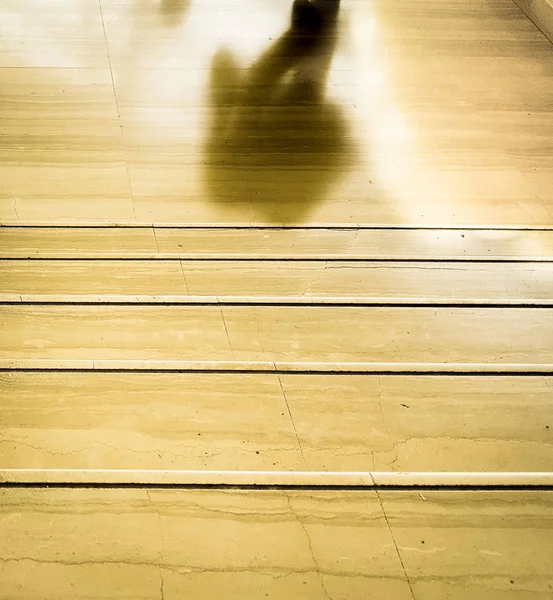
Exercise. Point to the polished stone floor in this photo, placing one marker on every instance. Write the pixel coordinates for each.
(434, 112)
(276, 308)
(317, 545)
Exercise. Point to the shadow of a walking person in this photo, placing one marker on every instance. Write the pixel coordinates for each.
(273, 138)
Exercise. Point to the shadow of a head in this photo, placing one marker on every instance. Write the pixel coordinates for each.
(273, 138)
(172, 11)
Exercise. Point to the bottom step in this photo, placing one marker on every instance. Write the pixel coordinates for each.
(302, 545)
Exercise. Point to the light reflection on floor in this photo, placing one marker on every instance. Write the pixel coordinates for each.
(433, 126)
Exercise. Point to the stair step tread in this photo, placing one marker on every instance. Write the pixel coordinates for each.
(307, 334)
(275, 281)
(242, 421)
(292, 244)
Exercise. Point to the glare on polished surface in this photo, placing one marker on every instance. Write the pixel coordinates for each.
(184, 111)
(272, 352)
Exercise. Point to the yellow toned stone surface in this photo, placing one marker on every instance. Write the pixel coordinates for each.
(176, 113)
(278, 333)
(422, 423)
(146, 421)
(489, 546)
(369, 280)
(92, 277)
(394, 334)
(62, 154)
(112, 333)
(282, 281)
(370, 243)
(26, 242)
(272, 243)
(197, 543)
(275, 544)
(425, 114)
(274, 422)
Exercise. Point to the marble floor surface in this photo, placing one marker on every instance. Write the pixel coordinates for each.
(189, 281)
(171, 544)
(220, 251)
(333, 242)
(428, 112)
(276, 422)
(294, 334)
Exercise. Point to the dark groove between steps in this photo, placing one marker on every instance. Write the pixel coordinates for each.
(321, 227)
(308, 258)
(283, 304)
(283, 487)
(444, 373)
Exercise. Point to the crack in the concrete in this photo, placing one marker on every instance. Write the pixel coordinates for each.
(155, 239)
(385, 423)
(259, 335)
(310, 284)
(354, 239)
(292, 420)
(236, 513)
(310, 545)
(13, 198)
(226, 331)
(161, 545)
(183, 277)
(273, 572)
(198, 450)
(14, 205)
(341, 451)
(63, 452)
(404, 266)
(465, 438)
(395, 544)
